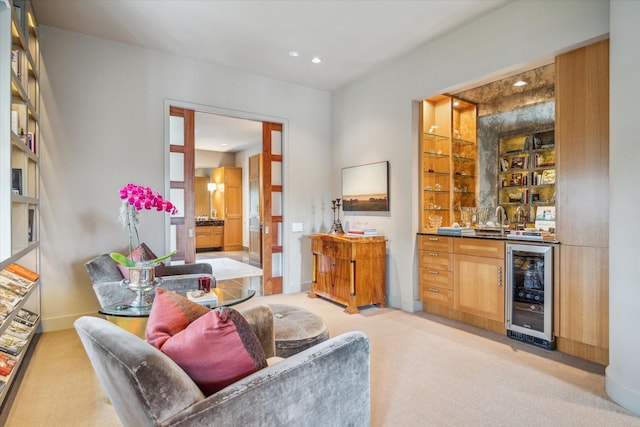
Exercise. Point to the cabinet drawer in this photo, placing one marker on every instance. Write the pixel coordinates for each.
(436, 260)
(438, 296)
(331, 248)
(479, 247)
(435, 277)
(435, 243)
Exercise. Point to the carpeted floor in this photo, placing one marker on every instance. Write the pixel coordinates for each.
(425, 371)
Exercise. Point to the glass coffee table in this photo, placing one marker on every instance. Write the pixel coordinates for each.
(134, 319)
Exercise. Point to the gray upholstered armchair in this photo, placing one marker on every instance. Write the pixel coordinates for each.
(104, 269)
(325, 385)
(106, 277)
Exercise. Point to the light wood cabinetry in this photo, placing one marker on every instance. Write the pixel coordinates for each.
(20, 146)
(448, 159)
(479, 278)
(435, 271)
(227, 200)
(349, 270)
(582, 135)
(463, 279)
(209, 236)
(527, 172)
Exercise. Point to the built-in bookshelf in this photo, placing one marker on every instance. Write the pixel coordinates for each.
(527, 173)
(19, 186)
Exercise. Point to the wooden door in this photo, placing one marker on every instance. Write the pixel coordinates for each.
(232, 208)
(273, 250)
(255, 210)
(479, 286)
(181, 183)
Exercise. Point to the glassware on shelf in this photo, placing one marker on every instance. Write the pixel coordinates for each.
(483, 215)
(435, 221)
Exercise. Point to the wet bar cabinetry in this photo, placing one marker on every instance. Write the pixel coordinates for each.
(20, 146)
(582, 139)
(463, 279)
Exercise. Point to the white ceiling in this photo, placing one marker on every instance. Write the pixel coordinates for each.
(351, 36)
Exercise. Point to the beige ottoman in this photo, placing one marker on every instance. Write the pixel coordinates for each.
(296, 329)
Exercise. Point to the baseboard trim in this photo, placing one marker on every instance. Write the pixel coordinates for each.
(51, 324)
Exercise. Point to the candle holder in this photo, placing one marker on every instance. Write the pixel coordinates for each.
(336, 227)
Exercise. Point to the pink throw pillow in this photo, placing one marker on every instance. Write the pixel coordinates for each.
(215, 348)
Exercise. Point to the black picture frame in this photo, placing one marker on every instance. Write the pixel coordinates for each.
(365, 188)
(16, 180)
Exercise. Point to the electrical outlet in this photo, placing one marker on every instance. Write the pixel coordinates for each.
(296, 227)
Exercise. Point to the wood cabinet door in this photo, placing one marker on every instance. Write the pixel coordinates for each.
(479, 286)
(233, 209)
(203, 207)
(584, 295)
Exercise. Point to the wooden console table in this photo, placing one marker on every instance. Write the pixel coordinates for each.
(349, 270)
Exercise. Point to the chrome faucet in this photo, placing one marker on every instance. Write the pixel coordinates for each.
(518, 215)
(500, 215)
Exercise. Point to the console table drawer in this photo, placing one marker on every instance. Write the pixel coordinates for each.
(332, 248)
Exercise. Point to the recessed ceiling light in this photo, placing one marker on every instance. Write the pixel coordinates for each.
(293, 53)
(316, 60)
(520, 83)
(224, 144)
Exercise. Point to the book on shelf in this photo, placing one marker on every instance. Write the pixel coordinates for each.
(18, 269)
(456, 231)
(5, 309)
(7, 362)
(15, 122)
(363, 231)
(16, 180)
(12, 345)
(19, 330)
(14, 287)
(20, 281)
(15, 62)
(3, 384)
(26, 317)
(9, 297)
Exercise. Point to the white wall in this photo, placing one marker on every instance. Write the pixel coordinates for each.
(102, 125)
(623, 372)
(374, 118)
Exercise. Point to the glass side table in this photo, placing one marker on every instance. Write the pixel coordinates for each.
(134, 319)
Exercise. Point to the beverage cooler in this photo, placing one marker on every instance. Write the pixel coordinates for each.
(529, 294)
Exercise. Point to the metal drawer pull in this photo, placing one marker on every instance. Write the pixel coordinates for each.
(434, 290)
(433, 272)
(434, 239)
(433, 254)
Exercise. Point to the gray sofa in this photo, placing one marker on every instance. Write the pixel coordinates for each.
(325, 385)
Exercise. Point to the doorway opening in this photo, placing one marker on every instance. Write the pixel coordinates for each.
(232, 188)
